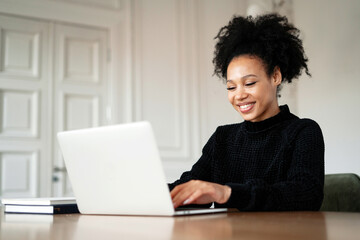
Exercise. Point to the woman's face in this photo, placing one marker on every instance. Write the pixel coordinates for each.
(250, 90)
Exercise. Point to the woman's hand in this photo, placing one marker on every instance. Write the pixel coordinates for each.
(199, 192)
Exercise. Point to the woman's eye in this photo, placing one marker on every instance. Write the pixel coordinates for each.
(230, 88)
(250, 84)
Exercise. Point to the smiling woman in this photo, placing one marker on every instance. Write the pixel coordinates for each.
(273, 160)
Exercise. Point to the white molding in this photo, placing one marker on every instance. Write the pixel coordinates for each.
(202, 75)
(105, 4)
(192, 27)
(180, 84)
(60, 11)
(137, 89)
(120, 67)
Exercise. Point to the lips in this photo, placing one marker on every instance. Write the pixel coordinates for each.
(246, 107)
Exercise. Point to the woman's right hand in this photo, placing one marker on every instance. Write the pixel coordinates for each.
(199, 192)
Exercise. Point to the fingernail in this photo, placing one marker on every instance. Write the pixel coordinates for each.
(186, 201)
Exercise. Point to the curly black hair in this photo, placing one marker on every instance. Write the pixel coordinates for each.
(269, 37)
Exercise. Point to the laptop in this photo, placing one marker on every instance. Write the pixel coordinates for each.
(117, 170)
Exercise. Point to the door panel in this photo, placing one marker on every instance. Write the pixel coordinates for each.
(81, 60)
(81, 111)
(21, 44)
(19, 174)
(20, 113)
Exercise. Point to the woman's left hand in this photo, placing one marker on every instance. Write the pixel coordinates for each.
(199, 192)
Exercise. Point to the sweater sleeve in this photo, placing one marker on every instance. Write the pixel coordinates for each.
(303, 187)
(201, 170)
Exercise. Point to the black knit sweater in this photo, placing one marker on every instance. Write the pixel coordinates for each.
(272, 165)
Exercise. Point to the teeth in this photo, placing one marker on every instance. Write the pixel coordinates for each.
(246, 106)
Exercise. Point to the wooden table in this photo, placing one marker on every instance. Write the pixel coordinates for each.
(240, 225)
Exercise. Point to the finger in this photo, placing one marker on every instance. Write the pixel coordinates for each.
(174, 191)
(180, 188)
(177, 189)
(181, 197)
(190, 197)
(182, 194)
(193, 197)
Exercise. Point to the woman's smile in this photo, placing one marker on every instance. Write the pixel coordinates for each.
(246, 107)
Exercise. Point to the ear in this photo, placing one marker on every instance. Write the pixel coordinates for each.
(276, 76)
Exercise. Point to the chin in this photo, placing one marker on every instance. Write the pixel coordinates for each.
(246, 117)
(249, 116)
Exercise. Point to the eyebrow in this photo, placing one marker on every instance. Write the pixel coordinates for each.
(244, 77)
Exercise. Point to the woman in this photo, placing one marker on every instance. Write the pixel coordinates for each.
(273, 160)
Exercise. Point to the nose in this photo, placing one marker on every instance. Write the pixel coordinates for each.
(240, 94)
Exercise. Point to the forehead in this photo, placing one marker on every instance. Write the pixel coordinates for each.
(244, 65)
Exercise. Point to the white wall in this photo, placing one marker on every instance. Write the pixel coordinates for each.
(173, 84)
(331, 33)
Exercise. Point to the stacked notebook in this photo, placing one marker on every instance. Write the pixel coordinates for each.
(40, 205)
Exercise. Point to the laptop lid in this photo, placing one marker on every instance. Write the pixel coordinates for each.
(117, 170)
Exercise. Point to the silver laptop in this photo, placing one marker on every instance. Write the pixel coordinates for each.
(117, 170)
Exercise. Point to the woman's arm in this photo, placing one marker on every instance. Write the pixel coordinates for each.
(201, 170)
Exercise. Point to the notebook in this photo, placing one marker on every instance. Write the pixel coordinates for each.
(117, 170)
(51, 205)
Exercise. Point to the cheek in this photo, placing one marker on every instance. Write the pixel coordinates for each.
(262, 92)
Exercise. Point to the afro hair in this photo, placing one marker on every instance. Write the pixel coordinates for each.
(269, 37)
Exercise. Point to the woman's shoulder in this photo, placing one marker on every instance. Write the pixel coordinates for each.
(302, 127)
(299, 123)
